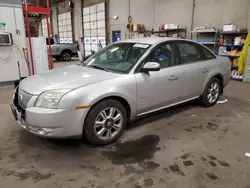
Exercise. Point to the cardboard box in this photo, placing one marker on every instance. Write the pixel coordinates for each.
(229, 27)
(170, 26)
(235, 63)
(173, 26)
(166, 26)
(138, 27)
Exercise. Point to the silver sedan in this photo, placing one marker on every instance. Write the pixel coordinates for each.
(121, 82)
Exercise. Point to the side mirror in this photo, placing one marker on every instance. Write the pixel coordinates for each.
(151, 66)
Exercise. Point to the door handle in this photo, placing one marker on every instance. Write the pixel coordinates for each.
(205, 70)
(173, 77)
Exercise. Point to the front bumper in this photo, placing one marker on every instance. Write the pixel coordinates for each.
(51, 123)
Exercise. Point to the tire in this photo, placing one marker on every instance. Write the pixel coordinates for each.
(96, 129)
(212, 89)
(66, 55)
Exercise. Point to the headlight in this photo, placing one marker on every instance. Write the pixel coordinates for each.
(51, 99)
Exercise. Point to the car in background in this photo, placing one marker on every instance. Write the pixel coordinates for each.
(62, 51)
(119, 83)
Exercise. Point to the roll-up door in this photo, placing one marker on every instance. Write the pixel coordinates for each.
(94, 27)
(65, 28)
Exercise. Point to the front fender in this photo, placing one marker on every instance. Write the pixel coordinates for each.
(124, 87)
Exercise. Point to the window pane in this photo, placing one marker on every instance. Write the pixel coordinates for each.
(207, 53)
(163, 55)
(189, 53)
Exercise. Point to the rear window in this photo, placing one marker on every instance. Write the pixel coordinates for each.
(207, 54)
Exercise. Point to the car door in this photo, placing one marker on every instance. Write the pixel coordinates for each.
(159, 89)
(192, 69)
(210, 66)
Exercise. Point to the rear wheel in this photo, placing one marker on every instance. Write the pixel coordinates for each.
(105, 122)
(211, 93)
(66, 55)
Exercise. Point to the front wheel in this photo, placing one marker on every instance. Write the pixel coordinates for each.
(211, 93)
(105, 122)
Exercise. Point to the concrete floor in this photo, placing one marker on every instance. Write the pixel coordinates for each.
(188, 146)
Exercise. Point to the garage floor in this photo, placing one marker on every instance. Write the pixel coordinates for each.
(188, 146)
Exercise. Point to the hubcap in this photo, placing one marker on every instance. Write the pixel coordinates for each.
(213, 92)
(108, 123)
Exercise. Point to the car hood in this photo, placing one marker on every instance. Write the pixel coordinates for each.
(69, 77)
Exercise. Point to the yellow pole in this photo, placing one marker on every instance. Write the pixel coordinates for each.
(243, 55)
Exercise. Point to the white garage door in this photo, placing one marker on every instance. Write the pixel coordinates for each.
(65, 28)
(94, 27)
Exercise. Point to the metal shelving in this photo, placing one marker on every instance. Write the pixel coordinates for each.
(213, 41)
(167, 31)
(230, 35)
(233, 33)
(206, 31)
(145, 32)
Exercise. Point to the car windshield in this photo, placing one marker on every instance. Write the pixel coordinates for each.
(118, 57)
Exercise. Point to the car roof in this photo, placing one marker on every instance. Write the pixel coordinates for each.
(150, 40)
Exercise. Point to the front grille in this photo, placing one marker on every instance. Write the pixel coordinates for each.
(21, 99)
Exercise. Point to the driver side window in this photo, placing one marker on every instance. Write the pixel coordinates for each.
(164, 55)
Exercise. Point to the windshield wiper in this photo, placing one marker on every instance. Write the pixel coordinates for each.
(101, 68)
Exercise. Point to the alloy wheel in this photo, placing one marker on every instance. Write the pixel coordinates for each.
(108, 123)
(213, 92)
